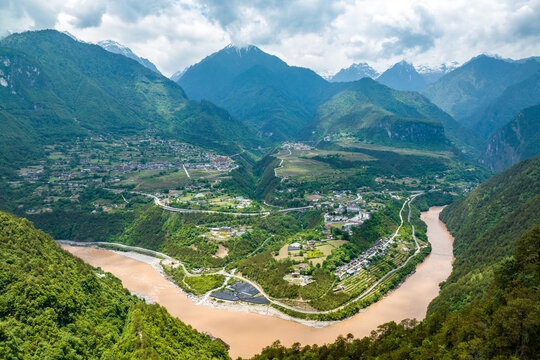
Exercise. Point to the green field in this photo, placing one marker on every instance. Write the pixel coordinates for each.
(151, 180)
(402, 151)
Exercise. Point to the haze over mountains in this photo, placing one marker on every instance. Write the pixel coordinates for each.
(497, 90)
(354, 72)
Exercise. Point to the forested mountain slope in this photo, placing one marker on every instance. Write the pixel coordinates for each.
(377, 113)
(486, 224)
(503, 109)
(515, 141)
(54, 87)
(472, 87)
(270, 96)
(488, 308)
(53, 305)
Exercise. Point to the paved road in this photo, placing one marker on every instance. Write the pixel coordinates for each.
(280, 166)
(257, 286)
(158, 202)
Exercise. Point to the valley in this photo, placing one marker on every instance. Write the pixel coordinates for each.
(332, 250)
(236, 323)
(246, 207)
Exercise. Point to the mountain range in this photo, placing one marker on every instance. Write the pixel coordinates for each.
(354, 72)
(485, 92)
(515, 141)
(400, 76)
(54, 87)
(117, 48)
(271, 97)
(283, 102)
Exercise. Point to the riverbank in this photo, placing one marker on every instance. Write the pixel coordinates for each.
(248, 332)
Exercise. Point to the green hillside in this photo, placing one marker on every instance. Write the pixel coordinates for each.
(488, 308)
(486, 225)
(515, 98)
(379, 114)
(273, 98)
(55, 87)
(474, 86)
(54, 306)
(515, 141)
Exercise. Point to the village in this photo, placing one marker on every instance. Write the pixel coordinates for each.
(225, 233)
(213, 199)
(354, 266)
(144, 162)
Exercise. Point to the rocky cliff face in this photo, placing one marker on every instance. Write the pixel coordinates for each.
(515, 141)
(18, 73)
(413, 131)
(404, 132)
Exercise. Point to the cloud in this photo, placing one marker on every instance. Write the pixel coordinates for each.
(86, 13)
(265, 21)
(321, 34)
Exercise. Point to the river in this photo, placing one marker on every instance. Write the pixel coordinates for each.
(247, 333)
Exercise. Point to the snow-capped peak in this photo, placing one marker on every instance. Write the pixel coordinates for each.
(117, 48)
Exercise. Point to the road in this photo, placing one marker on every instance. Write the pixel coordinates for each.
(280, 166)
(257, 286)
(158, 202)
(184, 166)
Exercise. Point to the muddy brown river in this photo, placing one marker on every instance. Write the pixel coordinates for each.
(247, 333)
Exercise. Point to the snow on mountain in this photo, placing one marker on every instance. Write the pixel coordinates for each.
(117, 48)
(354, 72)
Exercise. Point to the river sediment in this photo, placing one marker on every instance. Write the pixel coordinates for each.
(248, 331)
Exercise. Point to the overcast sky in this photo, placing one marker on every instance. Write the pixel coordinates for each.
(320, 34)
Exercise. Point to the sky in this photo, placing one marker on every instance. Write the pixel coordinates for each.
(322, 35)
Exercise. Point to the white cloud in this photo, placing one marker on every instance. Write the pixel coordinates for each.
(320, 34)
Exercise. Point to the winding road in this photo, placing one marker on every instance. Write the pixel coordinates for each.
(280, 166)
(158, 202)
(257, 286)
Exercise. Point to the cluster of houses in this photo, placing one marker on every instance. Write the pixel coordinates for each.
(298, 279)
(344, 222)
(31, 174)
(296, 146)
(354, 266)
(238, 202)
(225, 233)
(306, 245)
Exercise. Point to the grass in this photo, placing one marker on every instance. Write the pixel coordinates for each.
(401, 151)
(202, 284)
(150, 180)
(198, 285)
